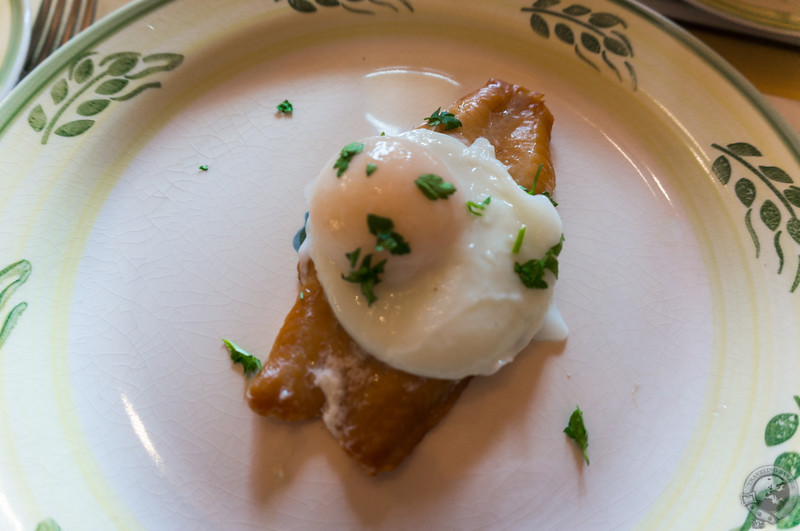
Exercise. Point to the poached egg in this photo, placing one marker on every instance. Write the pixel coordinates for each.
(419, 240)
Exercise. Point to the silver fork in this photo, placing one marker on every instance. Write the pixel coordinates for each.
(56, 23)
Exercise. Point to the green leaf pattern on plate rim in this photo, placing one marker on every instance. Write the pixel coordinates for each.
(777, 211)
(600, 40)
(12, 277)
(780, 428)
(310, 6)
(90, 84)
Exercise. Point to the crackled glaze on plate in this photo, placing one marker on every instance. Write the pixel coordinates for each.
(151, 192)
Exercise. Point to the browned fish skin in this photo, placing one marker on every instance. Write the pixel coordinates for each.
(286, 387)
(384, 412)
(517, 123)
(378, 414)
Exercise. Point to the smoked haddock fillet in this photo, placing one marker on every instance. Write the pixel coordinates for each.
(517, 123)
(378, 414)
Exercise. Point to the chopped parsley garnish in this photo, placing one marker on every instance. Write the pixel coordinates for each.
(300, 235)
(531, 273)
(576, 431)
(204, 167)
(250, 364)
(365, 274)
(434, 187)
(388, 240)
(446, 119)
(353, 258)
(532, 191)
(348, 152)
(48, 524)
(371, 167)
(285, 107)
(535, 182)
(518, 241)
(478, 208)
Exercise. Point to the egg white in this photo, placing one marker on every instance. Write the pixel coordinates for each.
(456, 307)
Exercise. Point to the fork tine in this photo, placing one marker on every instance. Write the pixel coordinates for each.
(41, 20)
(53, 30)
(37, 34)
(89, 14)
(70, 26)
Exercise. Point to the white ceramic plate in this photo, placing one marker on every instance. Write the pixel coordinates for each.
(15, 29)
(779, 18)
(124, 263)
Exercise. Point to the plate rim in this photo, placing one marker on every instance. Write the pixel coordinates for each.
(19, 39)
(33, 83)
(142, 7)
(754, 18)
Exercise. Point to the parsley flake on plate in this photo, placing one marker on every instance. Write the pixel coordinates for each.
(348, 152)
(249, 363)
(446, 119)
(434, 187)
(576, 431)
(371, 167)
(285, 107)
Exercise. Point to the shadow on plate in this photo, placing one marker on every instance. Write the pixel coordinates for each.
(302, 458)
